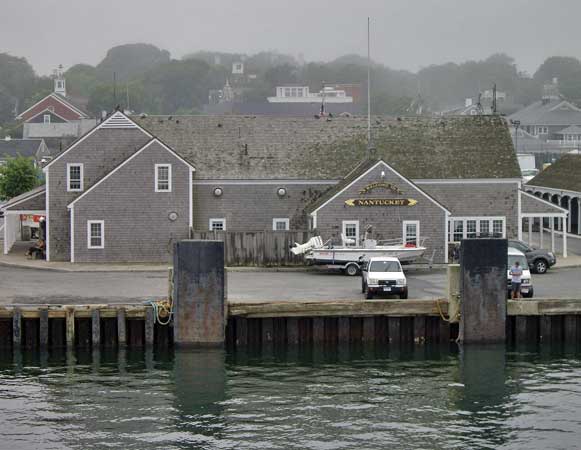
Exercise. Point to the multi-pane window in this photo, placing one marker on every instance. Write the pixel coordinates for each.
(163, 178)
(471, 227)
(484, 227)
(351, 231)
(411, 232)
(74, 177)
(280, 224)
(46, 118)
(217, 224)
(498, 228)
(96, 234)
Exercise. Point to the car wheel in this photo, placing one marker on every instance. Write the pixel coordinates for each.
(368, 293)
(352, 270)
(541, 266)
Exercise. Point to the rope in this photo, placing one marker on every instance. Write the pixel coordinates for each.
(449, 319)
(162, 311)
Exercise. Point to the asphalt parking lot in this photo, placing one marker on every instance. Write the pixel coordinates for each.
(32, 286)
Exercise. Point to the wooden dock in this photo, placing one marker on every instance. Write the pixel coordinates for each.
(382, 322)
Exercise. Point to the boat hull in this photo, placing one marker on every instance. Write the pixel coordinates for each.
(347, 255)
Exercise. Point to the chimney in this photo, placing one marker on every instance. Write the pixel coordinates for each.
(467, 102)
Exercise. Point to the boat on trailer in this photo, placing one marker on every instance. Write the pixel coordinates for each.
(348, 256)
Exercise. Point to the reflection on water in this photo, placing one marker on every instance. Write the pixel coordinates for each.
(361, 398)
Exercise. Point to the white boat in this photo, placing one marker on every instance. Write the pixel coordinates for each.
(325, 253)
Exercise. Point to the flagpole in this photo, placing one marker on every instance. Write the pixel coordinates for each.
(368, 89)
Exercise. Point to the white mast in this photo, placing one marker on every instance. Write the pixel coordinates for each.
(368, 89)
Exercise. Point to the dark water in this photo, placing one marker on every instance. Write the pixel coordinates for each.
(347, 399)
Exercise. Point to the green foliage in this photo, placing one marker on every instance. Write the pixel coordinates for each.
(18, 175)
(17, 82)
(82, 80)
(567, 70)
(130, 61)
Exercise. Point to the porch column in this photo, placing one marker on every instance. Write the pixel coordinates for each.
(541, 224)
(579, 215)
(553, 234)
(530, 221)
(570, 216)
(565, 237)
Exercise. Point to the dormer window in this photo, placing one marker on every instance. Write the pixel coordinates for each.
(74, 177)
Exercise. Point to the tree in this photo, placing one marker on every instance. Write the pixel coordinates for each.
(567, 70)
(130, 61)
(17, 176)
(81, 80)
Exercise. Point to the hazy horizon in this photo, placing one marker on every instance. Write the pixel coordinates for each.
(80, 31)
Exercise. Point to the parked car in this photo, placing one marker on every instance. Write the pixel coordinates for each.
(538, 260)
(526, 287)
(383, 275)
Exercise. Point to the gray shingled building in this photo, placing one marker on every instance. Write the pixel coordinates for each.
(131, 187)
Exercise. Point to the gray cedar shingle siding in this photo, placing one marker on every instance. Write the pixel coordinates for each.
(100, 153)
(137, 224)
(251, 207)
(259, 147)
(387, 222)
(475, 199)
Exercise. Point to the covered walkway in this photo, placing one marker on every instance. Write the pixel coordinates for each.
(538, 214)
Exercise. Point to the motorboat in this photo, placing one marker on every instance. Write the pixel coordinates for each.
(318, 252)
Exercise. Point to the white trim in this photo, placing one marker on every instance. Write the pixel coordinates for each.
(217, 220)
(351, 222)
(268, 182)
(370, 170)
(191, 199)
(314, 216)
(156, 175)
(137, 153)
(468, 181)
(89, 223)
(280, 219)
(72, 232)
(519, 215)
(61, 101)
(35, 212)
(569, 104)
(89, 133)
(45, 117)
(446, 237)
(542, 200)
(10, 205)
(411, 222)
(46, 207)
(82, 174)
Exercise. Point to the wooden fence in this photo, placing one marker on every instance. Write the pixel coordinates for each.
(258, 248)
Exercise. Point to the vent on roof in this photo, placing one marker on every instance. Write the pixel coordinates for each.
(118, 121)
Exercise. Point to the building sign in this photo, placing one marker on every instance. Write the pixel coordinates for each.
(381, 202)
(380, 185)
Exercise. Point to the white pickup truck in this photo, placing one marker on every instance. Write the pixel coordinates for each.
(383, 275)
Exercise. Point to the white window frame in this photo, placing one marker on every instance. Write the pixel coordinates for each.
(405, 223)
(82, 175)
(89, 223)
(169, 184)
(344, 227)
(217, 220)
(46, 118)
(478, 219)
(279, 220)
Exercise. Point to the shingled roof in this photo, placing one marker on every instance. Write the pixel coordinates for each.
(565, 174)
(258, 147)
(19, 147)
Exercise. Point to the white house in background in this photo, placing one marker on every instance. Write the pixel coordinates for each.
(302, 94)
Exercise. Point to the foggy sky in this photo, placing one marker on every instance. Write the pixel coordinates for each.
(406, 34)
